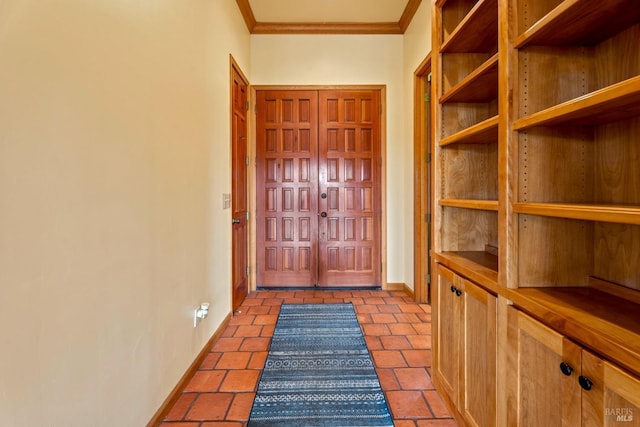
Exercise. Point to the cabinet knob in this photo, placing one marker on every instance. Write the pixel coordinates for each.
(566, 369)
(453, 289)
(458, 292)
(585, 383)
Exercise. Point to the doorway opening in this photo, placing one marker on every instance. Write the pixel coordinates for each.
(422, 188)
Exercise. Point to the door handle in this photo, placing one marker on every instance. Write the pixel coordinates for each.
(323, 214)
(235, 221)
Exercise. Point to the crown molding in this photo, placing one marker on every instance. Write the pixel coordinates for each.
(399, 27)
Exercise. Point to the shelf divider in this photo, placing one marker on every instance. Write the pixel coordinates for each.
(483, 205)
(581, 22)
(477, 32)
(479, 86)
(603, 213)
(481, 133)
(616, 102)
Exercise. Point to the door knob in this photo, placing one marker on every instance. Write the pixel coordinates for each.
(323, 214)
(585, 383)
(235, 221)
(323, 195)
(566, 369)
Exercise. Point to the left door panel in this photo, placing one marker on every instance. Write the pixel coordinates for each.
(287, 182)
(239, 198)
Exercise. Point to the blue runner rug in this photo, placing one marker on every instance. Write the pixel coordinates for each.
(318, 372)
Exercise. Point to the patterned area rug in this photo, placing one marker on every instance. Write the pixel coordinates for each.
(319, 372)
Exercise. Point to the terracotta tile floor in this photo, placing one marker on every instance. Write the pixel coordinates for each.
(397, 331)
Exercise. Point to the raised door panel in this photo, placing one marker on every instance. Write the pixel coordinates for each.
(613, 398)
(539, 393)
(350, 188)
(287, 179)
(448, 314)
(478, 392)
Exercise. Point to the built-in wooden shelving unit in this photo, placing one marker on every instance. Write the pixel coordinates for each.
(537, 202)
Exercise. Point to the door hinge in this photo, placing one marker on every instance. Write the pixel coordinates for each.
(427, 157)
(428, 278)
(427, 218)
(247, 215)
(427, 96)
(247, 161)
(248, 271)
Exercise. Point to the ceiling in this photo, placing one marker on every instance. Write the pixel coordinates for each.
(328, 16)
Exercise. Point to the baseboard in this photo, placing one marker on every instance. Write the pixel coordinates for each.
(400, 287)
(409, 291)
(175, 394)
(394, 286)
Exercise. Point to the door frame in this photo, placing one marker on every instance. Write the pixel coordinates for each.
(383, 169)
(422, 139)
(233, 66)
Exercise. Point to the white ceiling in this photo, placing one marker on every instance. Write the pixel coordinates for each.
(321, 11)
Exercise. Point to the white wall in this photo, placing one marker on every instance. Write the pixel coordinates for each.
(114, 153)
(349, 60)
(417, 45)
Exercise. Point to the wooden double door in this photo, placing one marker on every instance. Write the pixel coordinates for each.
(318, 188)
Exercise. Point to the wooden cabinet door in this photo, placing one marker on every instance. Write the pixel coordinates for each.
(448, 357)
(539, 393)
(350, 187)
(477, 398)
(287, 191)
(466, 352)
(611, 397)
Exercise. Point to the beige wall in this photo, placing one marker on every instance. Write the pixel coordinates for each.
(417, 45)
(349, 60)
(114, 154)
(114, 134)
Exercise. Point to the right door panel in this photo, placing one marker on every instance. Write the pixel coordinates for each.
(349, 187)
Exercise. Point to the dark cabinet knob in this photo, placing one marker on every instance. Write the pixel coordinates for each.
(453, 289)
(323, 214)
(566, 369)
(458, 292)
(585, 383)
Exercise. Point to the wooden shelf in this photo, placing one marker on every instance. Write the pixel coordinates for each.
(605, 323)
(479, 86)
(602, 213)
(478, 266)
(482, 133)
(616, 102)
(584, 22)
(477, 32)
(483, 205)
